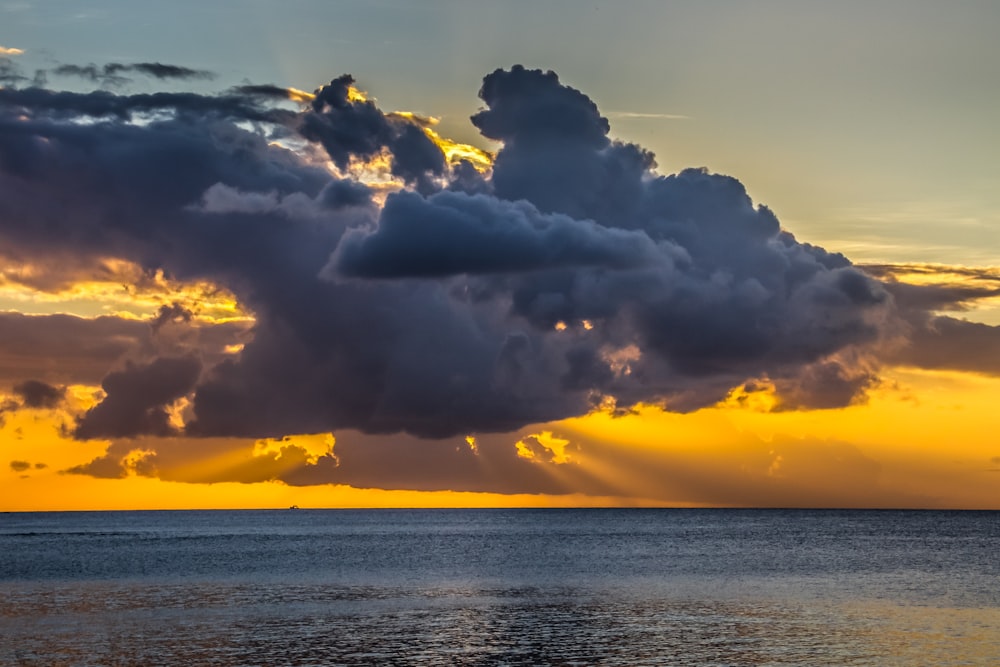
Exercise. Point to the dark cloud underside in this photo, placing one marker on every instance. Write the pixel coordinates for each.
(569, 276)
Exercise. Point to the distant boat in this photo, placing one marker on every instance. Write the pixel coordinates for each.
(294, 507)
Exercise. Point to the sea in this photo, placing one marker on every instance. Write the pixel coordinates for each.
(568, 587)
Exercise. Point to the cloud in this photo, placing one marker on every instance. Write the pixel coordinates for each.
(63, 349)
(37, 394)
(59, 350)
(137, 399)
(221, 198)
(946, 343)
(162, 71)
(10, 51)
(92, 73)
(10, 74)
(933, 340)
(830, 383)
(25, 466)
(349, 127)
(266, 91)
(738, 469)
(111, 465)
(213, 460)
(172, 313)
(112, 74)
(63, 104)
(928, 287)
(568, 276)
(452, 233)
(355, 459)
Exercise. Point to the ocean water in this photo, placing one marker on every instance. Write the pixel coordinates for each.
(500, 587)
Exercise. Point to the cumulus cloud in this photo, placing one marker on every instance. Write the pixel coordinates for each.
(348, 127)
(570, 275)
(137, 399)
(452, 233)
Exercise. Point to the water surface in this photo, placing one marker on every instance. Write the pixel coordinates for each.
(500, 587)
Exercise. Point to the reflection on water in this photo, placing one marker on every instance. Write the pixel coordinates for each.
(632, 588)
(208, 624)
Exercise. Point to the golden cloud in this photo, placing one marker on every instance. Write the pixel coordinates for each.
(114, 287)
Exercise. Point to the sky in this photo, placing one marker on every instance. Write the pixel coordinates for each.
(563, 253)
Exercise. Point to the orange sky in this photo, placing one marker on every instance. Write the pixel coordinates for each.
(925, 439)
(921, 438)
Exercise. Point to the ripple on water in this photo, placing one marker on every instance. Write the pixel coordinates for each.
(228, 625)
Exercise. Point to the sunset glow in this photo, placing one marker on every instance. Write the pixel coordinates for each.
(219, 290)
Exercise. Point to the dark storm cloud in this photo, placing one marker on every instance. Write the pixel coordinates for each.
(137, 397)
(451, 233)
(111, 175)
(349, 128)
(341, 194)
(556, 151)
(345, 128)
(416, 159)
(40, 355)
(533, 107)
(37, 394)
(466, 178)
(570, 276)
